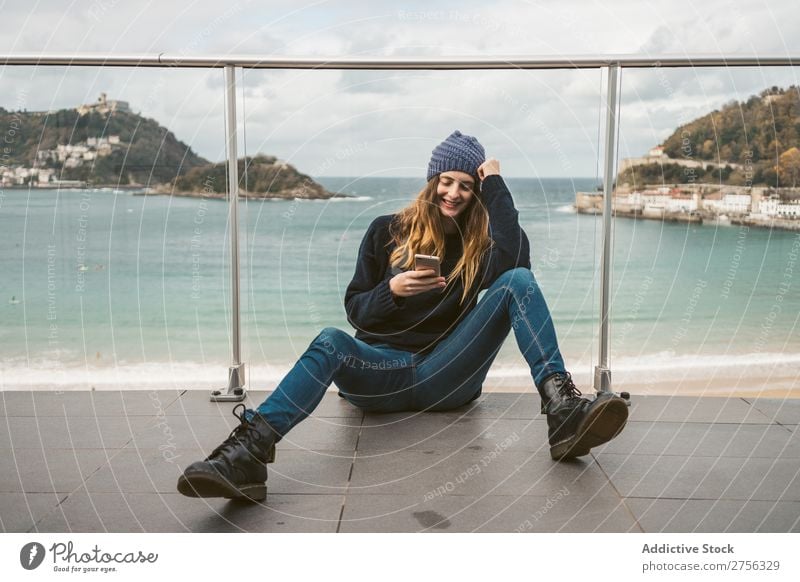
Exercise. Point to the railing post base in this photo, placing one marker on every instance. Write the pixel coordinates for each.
(236, 391)
(602, 379)
(602, 384)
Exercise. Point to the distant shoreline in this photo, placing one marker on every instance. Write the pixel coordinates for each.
(144, 191)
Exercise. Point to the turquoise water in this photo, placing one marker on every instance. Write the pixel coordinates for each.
(117, 289)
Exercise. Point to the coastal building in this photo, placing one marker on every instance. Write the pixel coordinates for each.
(728, 204)
(699, 203)
(682, 203)
(655, 201)
(789, 210)
(767, 207)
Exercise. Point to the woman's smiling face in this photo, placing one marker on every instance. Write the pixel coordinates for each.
(455, 192)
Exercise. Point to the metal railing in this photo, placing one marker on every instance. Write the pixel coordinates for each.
(612, 63)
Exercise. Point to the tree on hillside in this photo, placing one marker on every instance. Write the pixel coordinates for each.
(789, 167)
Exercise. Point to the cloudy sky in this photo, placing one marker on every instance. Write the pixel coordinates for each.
(353, 123)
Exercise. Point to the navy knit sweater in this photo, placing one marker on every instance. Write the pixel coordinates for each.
(417, 323)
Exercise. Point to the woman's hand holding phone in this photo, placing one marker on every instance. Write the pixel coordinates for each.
(410, 283)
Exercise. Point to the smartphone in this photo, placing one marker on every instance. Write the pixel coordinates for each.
(427, 262)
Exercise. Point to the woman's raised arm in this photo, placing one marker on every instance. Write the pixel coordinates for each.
(511, 247)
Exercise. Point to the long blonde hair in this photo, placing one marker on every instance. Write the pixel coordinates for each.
(418, 229)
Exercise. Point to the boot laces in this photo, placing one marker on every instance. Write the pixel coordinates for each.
(238, 435)
(567, 388)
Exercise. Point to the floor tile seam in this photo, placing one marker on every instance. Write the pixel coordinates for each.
(618, 494)
(61, 500)
(346, 491)
(717, 464)
(77, 462)
(715, 499)
(708, 456)
(83, 486)
(712, 422)
(672, 498)
(659, 455)
(755, 406)
(601, 454)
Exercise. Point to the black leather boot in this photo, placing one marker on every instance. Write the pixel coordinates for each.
(576, 424)
(236, 469)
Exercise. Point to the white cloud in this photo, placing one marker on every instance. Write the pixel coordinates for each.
(543, 122)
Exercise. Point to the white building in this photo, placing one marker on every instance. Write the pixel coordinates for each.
(791, 210)
(768, 207)
(729, 204)
(656, 201)
(682, 204)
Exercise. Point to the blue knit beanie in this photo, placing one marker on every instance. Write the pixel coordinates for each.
(458, 152)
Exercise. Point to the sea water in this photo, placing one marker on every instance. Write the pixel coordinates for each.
(113, 289)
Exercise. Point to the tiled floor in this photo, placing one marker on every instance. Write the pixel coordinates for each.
(109, 461)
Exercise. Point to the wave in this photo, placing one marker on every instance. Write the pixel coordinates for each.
(566, 209)
(666, 365)
(347, 199)
(759, 368)
(54, 375)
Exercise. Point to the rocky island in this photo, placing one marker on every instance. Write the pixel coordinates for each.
(265, 177)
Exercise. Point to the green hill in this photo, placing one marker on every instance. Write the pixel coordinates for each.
(105, 144)
(758, 134)
(147, 153)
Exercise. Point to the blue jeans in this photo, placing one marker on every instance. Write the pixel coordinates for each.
(379, 378)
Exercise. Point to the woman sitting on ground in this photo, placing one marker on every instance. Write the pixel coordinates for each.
(423, 341)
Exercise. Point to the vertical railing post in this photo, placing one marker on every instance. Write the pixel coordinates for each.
(236, 379)
(602, 372)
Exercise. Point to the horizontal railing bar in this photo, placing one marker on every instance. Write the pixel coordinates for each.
(377, 63)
